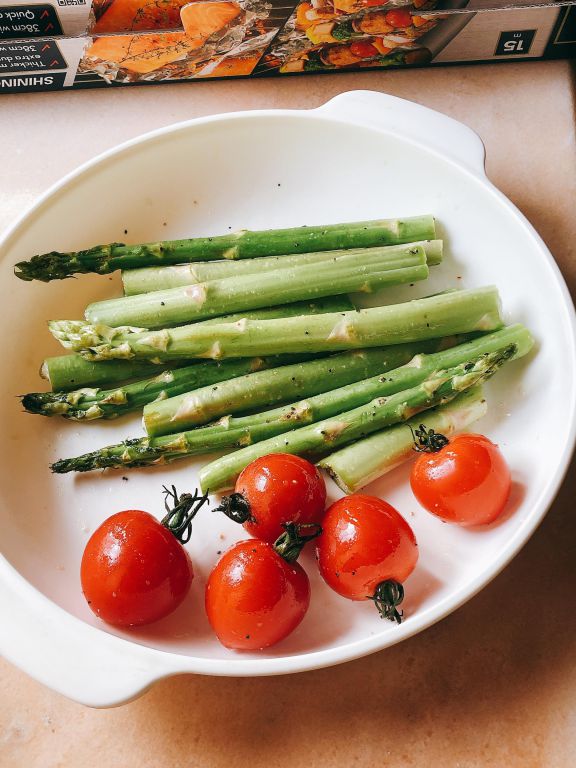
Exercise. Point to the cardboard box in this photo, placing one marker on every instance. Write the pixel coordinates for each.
(119, 42)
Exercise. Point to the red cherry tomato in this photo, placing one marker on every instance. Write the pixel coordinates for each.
(363, 49)
(399, 18)
(365, 544)
(134, 571)
(274, 490)
(255, 598)
(466, 482)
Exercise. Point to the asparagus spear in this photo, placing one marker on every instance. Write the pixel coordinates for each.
(231, 432)
(264, 388)
(366, 270)
(236, 245)
(66, 372)
(149, 279)
(438, 388)
(91, 403)
(435, 316)
(358, 464)
(267, 387)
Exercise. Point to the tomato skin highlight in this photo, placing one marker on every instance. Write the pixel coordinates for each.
(363, 49)
(364, 542)
(281, 488)
(134, 571)
(467, 482)
(399, 18)
(254, 598)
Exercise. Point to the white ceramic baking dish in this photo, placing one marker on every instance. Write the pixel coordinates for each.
(363, 155)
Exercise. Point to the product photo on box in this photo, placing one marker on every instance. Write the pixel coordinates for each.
(103, 43)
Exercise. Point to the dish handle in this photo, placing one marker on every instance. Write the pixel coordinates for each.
(424, 126)
(79, 661)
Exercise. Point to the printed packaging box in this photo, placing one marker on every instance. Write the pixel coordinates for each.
(78, 44)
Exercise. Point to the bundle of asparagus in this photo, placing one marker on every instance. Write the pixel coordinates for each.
(310, 375)
(89, 401)
(441, 315)
(366, 270)
(416, 384)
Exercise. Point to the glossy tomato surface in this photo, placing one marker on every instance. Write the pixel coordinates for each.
(363, 49)
(254, 598)
(281, 488)
(364, 541)
(134, 571)
(399, 17)
(466, 482)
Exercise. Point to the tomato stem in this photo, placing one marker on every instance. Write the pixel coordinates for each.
(180, 511)
(236, 507)
(387, 595)
(427, 440)
(290, 543)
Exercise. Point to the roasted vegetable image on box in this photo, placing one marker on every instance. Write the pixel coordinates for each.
(340, 34)
(317, 10)
(397, 23)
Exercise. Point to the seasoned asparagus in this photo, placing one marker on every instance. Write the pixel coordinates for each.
(358, 464)
(265, 388)
(91, 403)
(66, 372)
(279, 385)
(231, 432)
(244, 244)
(321, 437)
(72, 372)
(441, 315)
(365, 270)
(149, 279)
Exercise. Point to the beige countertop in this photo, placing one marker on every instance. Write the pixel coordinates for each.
(492, 685)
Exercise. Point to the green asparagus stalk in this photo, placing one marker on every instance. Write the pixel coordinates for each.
(265, 388)
(66, 372)
(441, 315)
(231, 432)
(149, 279)
(89, 403)
(323, 436)
(358, 464)
(365, 270)
(236, 245)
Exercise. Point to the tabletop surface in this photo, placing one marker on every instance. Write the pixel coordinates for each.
(493, 684)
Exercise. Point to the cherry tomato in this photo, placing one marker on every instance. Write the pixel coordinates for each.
(399, 17)
(254, 597)
(363, 49)
(134, 571)
(273, 490)
(467, 481)
(366, 551)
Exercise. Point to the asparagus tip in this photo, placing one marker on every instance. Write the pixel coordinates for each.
(44, 267)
